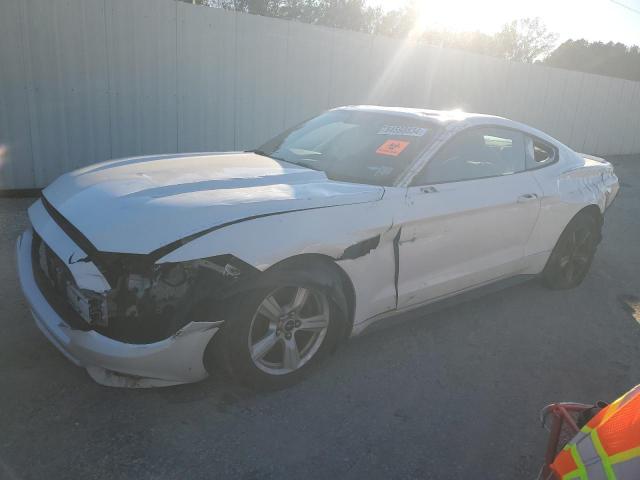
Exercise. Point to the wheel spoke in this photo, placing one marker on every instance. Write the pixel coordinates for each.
(583, 240)
(563, 261)
(317, 322)
(264, 345)
(271, 309)
(581, 258)
(288, 341)
(291, 358)
(300, 299)
(570, 245)
(568, 271)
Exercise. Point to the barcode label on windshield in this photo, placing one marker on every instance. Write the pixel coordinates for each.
(402, 131)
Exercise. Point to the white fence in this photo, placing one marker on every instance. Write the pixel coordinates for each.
(87, 80)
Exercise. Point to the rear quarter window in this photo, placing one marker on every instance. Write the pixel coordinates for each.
(539, 153)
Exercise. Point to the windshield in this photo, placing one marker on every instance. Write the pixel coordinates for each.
(354, 146)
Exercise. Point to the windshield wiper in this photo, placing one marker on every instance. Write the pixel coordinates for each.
(258, 151)
(302, 162)
(262, 153)
(298, 163)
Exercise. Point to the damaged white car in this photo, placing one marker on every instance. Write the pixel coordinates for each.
(157, 270)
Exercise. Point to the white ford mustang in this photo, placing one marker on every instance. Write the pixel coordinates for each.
(156, 270)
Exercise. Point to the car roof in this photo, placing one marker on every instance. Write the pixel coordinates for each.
(447, 117)
(442, 116)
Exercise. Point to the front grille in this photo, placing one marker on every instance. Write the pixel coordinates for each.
(52, 277)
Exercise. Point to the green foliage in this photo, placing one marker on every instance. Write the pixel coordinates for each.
(522, 40)
(525, 40)
(346, 14)
(611, 59)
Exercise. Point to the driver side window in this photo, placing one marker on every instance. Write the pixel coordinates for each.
(475, 153)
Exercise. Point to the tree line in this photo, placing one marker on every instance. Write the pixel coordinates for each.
(525, 40)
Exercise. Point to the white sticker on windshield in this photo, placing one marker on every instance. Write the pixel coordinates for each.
(402, 131)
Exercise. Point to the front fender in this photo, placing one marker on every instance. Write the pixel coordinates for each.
(359, 238)
(263, 242)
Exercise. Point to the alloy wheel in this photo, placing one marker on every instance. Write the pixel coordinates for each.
(288, 328)
(576, 254)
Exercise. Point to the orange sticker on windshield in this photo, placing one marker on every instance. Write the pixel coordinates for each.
(392, 147)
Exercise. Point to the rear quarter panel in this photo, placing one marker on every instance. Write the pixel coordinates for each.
(569, 185)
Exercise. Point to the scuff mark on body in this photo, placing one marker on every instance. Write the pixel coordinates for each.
(360, 249)
(396, 257)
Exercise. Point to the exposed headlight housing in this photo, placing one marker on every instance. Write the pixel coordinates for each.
(151, 302)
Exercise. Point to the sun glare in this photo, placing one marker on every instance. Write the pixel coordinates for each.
(457, 15)
(592, 19)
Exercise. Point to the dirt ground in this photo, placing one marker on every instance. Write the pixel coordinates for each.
(448, 395)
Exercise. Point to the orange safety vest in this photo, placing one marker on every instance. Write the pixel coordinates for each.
(607, 447)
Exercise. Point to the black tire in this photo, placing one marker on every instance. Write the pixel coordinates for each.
(234, 343)
(573, 254)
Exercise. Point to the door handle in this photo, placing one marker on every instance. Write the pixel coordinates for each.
(527, 197)
(429, 190)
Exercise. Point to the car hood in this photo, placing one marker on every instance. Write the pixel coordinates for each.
(138, 205)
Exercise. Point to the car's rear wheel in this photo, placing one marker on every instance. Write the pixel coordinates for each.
(274, 336)
(573, 254)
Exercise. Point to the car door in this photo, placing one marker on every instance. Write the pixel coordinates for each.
(468, 216)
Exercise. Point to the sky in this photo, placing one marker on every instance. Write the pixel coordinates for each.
(594, 20)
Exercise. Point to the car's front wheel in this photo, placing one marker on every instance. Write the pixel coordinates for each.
(274, 336)
(571, 258)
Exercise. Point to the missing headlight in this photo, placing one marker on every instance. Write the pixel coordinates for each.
(154, 302)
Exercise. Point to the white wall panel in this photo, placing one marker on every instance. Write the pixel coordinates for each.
(489, 78)
(67, 80)
(86, 80)
(628, 100)
(16, 159)
(517, 86)
(609, 137)
(535, 113)
(446, 79)
(408, 88)
(439, 92)
(388, 60)
(566, 106)
(141, 44)
(351, 68)
(596, 121)
(307, 72)
(206, 79)
(633, 138)
(580, 132)
(555, 101)
(261, 86)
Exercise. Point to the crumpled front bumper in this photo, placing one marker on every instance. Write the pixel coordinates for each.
(175, 360)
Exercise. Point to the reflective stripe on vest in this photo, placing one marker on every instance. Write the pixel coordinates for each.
(607, 447)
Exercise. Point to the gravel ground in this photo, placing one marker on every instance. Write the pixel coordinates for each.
(448, 395)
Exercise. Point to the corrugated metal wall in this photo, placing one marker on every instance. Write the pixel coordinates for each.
(87, 80)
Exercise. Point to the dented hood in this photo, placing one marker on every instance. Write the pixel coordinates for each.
(138, 205)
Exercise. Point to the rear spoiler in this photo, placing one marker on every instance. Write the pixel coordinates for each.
(591, 157)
